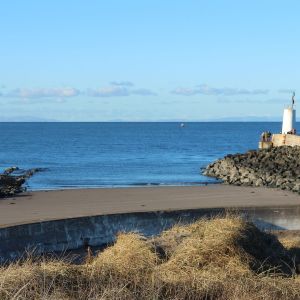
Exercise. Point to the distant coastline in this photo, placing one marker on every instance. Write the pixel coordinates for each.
(30, 119)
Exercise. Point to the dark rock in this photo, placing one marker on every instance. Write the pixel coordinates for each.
(10, 170)
(276, 167)
(11, 184)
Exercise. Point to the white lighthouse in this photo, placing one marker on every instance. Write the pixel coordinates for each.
(289, 118)
(288, 136)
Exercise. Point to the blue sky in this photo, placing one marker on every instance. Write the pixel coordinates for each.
(147, 60)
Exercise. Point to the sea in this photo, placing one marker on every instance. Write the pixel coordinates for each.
(93, 155)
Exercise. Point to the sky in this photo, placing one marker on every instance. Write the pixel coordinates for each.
(64, 60)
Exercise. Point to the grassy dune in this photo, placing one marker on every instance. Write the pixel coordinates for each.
(222, 258)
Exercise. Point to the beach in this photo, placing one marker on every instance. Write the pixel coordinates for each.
(38, 206)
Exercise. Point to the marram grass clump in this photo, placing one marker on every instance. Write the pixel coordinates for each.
(222, 255)
(128, 263)
(220, 258)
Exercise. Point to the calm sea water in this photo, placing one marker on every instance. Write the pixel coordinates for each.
(122, 154)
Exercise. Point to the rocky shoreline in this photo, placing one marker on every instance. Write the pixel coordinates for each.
(278, 167)
(11, 184)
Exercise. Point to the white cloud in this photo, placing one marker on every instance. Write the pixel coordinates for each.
(122, 83)
(111, 91)
(118, 91)
(207, 90)
(42, 93)
(185, 91)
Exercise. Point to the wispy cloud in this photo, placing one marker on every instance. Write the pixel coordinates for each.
(185, 91)
(42, 93)
(204, 89)
(122, 83)
(119, 91)
(115, 89)
(111, 91)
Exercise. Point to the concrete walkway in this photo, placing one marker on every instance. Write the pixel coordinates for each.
(52, 205)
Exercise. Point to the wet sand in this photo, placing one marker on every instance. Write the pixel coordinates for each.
(39, 206)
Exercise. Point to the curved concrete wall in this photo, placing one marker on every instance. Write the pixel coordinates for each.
(61, 235)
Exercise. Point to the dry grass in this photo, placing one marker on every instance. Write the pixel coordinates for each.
(221, 258)
(226, 258)
(290, 241)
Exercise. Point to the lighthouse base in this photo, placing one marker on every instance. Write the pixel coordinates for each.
(280, 140)
(265, 145)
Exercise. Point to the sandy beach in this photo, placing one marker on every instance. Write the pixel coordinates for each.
(60, 204)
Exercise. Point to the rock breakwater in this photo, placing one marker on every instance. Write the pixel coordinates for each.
(11, 184)
(278, 167)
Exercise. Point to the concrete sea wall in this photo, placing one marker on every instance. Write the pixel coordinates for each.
(67, 234)
(279, 140)
(285, 140)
